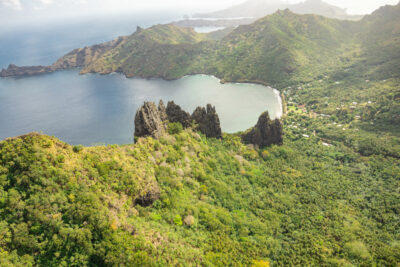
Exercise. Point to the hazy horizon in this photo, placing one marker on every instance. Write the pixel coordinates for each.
(14, 11)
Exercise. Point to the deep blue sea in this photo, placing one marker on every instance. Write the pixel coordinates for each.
(94, 109)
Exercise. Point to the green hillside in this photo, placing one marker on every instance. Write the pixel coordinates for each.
(283, 47)
(275, 49)
(381, 43)
(217, 203)
(165, 51)
(280, 49)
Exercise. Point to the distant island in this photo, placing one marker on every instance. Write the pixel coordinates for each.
(249, 11)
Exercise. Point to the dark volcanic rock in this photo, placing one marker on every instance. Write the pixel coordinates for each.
(151, 120)
(176, 114)
(163, 111)
(148, 121)
(14, 71)
(149, 198)
(208, 121)
(266, 132)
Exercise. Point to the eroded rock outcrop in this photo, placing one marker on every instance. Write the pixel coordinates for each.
(149, 197)
(148, 121)
(163, 111)
(266, 132)
(207, 120)
(176, 114)
(151, 120)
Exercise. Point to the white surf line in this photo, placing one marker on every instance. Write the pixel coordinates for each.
(279, 113)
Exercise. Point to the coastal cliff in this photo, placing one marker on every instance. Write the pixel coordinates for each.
(75, 59)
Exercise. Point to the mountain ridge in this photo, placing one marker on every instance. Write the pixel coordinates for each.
(285, 48)
(261, 8)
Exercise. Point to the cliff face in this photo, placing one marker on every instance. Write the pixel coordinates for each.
(151, 120)
(265, 133)
(176, 114)
(84, 56)
(75, 59)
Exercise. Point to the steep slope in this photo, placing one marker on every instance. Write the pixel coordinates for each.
(380, 39)
(83, 56)
(162, 51)
(186, 200)
(375, 51)
(283, 47)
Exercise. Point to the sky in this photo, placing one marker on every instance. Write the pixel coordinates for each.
(24, 9)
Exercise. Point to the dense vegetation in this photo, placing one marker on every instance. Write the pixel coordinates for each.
(328, 197)
(222, 203)
(279, 50)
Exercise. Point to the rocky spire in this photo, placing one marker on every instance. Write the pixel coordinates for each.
(265, 133)
(163, 111)
(176, 114)
(148, 121)
(207, 121)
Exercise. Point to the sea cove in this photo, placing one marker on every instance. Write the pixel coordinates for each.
(100, 109)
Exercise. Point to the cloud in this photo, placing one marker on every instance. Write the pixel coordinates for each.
(15, 4)
(61, 8)
(47, 2)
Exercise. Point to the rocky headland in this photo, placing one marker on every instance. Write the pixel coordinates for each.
(77, 58)
(15, 71)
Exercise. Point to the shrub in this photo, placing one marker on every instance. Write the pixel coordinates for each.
(357, 249)
(250, 154)
(175, 128)
(178, 220)
(265, 154)
(156, 217)
(189, 220)
(77, 149)
(260, 263)
(157, 146)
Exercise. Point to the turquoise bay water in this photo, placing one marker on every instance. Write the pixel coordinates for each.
(93, 109)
